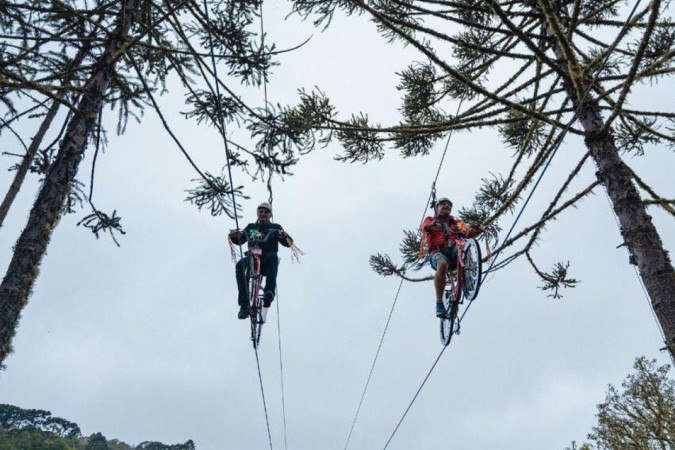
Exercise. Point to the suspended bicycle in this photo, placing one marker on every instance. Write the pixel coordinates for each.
(258, 311)
(462, 284)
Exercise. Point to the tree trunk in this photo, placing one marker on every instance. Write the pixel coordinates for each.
(27, 160)
(639, 233)
(47, 209)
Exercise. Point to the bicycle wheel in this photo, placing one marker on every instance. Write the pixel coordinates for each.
(471, 269)
(449, 321)
(255, 302)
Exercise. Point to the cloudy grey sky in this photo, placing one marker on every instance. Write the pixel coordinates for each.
(142, 342)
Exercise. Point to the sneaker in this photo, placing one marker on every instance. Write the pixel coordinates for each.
(440, 310)
(268, 297)
(244, 311)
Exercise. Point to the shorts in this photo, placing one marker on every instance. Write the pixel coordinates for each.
(449, 254)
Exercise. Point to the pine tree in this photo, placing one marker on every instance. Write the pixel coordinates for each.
(87, 55)
(639, 416)
(538, 72)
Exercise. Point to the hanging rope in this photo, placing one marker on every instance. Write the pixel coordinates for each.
(281, 371)
(223, 132)
(293, 248)
(262, 391)
(221, 122)
(567, 127)
(431, 199)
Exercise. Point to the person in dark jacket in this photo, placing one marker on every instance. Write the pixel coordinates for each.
(269, 262)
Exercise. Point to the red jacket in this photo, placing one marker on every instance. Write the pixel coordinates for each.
(446, 236)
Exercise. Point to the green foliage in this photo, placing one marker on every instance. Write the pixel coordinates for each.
(96, 442)
(100, 222)
(31, 439)
(168, 38)
(206, 108)
(410, 249)
(189, 445)
(474, 11)
(323, 10)
(34, 429)
(455, 88)
(557, 279)
(583, 446)
(303, 127)
(598, 9)
(660, 46)
(473, 46)
(527, 100)
(632, 137)
(215, 193)
(360, 141)
(522, 133)
(418, 84)
(15, 418)
(413, 143)
(639, 416)
(642, 415)
(383, 265)
(401, 13)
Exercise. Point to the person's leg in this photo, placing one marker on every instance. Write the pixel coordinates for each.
(439, 262)
(242, 297)
(270, 268)
(452, 256)
(439, 278)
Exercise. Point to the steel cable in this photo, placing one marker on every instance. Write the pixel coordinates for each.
(234, 201)
(398, 291)
(567, 127)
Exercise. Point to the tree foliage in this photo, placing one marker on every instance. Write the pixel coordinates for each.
(15, 418)
(538, 73)
(640, 415)
(36, 429)
(97, 58)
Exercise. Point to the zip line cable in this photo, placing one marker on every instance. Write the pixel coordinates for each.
(398, 291)
(560, 140)
(405, 413)
(223, 131)
(281, 371)
(262, 391)
(271, 199)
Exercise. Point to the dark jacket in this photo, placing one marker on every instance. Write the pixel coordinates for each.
(272, 244)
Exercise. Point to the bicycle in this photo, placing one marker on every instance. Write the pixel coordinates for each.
(254, 282)
(462, 284)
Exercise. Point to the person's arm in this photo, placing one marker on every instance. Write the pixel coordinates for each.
(284, 238)
(429, 224)
(239, 237)
(473, 231)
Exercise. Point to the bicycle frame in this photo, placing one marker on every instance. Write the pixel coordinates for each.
(455, 288)
(255, 298)
(456, 285)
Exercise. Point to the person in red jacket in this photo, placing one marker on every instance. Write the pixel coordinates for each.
(440, 234)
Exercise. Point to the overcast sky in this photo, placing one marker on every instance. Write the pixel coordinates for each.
(142, 342)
